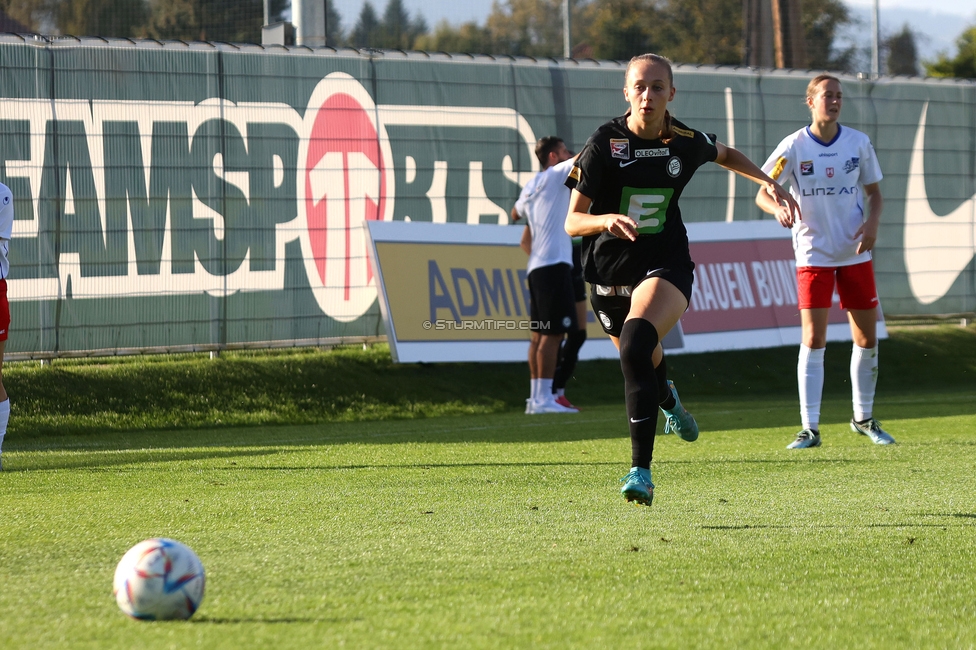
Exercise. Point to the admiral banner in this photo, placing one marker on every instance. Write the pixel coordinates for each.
(451, 292)
(459, 293)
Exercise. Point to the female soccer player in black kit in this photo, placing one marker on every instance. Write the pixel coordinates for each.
(626, 185)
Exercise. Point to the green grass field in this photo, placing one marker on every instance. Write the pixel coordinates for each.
(432, 513)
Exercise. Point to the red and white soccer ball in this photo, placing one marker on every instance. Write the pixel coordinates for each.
(159, 579)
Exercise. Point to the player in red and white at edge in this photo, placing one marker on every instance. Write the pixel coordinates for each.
(832, 170)
(6, 230)
(626, 186)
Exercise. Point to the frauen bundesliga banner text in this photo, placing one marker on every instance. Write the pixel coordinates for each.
(452, 292)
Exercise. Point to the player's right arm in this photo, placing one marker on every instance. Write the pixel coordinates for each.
(580, 223)
(778, 167)
(770, 203)
(526, 242)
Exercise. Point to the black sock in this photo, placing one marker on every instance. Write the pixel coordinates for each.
(638, 338)
(568, 356)
(663, 390)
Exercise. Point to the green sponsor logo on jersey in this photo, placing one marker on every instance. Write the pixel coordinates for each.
(648, 207)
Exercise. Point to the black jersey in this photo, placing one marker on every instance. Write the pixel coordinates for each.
(622, 173)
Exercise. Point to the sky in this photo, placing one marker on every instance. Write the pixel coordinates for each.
(938, 28)
(964, 8)
(454, 11)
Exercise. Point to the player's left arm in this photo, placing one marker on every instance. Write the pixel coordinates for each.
(868, 232)
(736, 161)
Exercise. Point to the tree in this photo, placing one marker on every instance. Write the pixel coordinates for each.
(620, 29)
(823, 21)
(333, 26)
(687, 31)
(963, 65)
(107, 18)
(397, 30)
(526, 27)
(366, 32)
(173, 19)
(902, 54)
(29, 13)
(237, 21)
(702, 31)
(215, 20)
(468, 37)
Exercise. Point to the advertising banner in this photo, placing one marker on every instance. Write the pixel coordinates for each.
(175, 196)
(745, 292)
(451, 292)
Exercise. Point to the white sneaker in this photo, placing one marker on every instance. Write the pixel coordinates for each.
(805, 439)
(872, 429)
(546, 406)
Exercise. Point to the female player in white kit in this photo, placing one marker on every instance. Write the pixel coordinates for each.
(832, 171)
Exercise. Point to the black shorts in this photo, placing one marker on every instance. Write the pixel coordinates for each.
(611, 310)
(579, 284)
(552, 308)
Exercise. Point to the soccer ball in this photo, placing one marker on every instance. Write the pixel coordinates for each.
(159, 579)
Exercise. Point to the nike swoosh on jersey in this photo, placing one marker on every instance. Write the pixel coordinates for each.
(630, 162)
(934, 257)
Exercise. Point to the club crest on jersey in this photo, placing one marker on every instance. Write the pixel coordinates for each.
(674, 167)
(851, 164)
(806, 168)
(830, 172)
(620, 148)
(607, 323)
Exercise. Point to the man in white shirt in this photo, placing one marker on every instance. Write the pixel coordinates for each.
(543, 203)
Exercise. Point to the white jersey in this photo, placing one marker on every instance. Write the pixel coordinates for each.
(544, 203)
(827, 179)
(6, 227)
